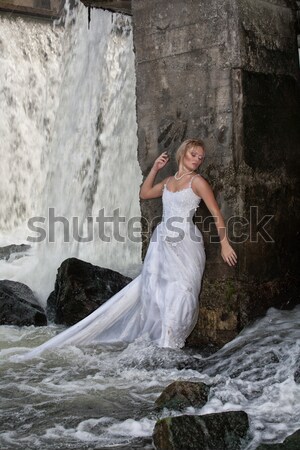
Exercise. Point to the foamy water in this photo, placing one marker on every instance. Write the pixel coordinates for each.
(103, 396)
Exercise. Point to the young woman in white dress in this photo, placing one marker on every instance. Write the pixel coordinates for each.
(162, 302)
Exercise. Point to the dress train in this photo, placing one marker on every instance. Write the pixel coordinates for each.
(162, 302)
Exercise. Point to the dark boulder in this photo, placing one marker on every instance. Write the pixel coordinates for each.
(80, 288)
(221, 431)
(181, 394)
(292, 442)
(19, 306)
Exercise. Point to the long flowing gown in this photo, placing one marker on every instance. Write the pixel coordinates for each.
(162, 302)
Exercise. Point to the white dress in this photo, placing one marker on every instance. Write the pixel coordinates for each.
(162, 302)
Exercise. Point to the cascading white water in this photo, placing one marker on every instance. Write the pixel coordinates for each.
(75, 126)
(30, 68)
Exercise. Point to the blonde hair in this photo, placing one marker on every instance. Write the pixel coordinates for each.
(185, 146)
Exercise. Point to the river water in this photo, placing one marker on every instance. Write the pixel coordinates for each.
(103, 397)
(69, 122)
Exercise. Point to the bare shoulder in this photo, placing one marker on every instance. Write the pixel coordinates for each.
(200, 185)
(200, 182)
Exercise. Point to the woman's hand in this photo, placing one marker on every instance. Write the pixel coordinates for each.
(148, 189)
(228, 254)
(161, 161)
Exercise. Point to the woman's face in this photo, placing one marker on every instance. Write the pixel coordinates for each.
(193, 158)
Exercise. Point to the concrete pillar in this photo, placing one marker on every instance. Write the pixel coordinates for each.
(227, 71)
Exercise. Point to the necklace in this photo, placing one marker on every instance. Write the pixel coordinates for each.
(179, 178)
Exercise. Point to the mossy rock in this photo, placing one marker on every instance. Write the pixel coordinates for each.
(181, 394)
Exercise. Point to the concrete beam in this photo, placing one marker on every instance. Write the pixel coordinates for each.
(121, 6)
(50, 9)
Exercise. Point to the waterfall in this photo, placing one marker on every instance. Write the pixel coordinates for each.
(69, 157)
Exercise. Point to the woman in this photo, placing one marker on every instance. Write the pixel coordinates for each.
(175, 259)
(162, 302)
(189, 156)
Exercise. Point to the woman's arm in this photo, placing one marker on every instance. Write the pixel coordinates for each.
(203, 190)
(147, 190)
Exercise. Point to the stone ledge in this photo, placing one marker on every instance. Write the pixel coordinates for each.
(121, 6)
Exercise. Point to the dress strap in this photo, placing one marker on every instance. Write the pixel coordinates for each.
(190, 183)
(165, 185)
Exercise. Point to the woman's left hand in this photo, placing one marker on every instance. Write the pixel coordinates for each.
(228, 254)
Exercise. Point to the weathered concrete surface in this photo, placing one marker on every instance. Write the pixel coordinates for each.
(122, 6)
(42, 8)
(227, 71)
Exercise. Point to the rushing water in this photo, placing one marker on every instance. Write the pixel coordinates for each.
(103, 397)
(70, 144)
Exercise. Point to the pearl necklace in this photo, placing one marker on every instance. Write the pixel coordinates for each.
(179, 178)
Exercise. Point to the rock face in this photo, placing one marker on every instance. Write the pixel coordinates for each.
(227, 71)
(80, 288)
(226, 431)
(19, 306)
(290, 443)
(181, 394)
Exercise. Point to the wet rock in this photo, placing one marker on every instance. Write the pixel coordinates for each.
(80, 288)
(51, 308)
(8, 250)
(19, 306)
(181, 394)
(226, 431)
(290, 443)
(297, 375)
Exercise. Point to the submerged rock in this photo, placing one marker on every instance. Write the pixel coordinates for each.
(221, 431)
(19, 306)
(181, 394)
(8, 250)
(297, 377)
(51, 307)
(290, 443)
(80, 288)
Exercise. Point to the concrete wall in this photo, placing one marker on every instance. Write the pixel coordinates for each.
(227, 71)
